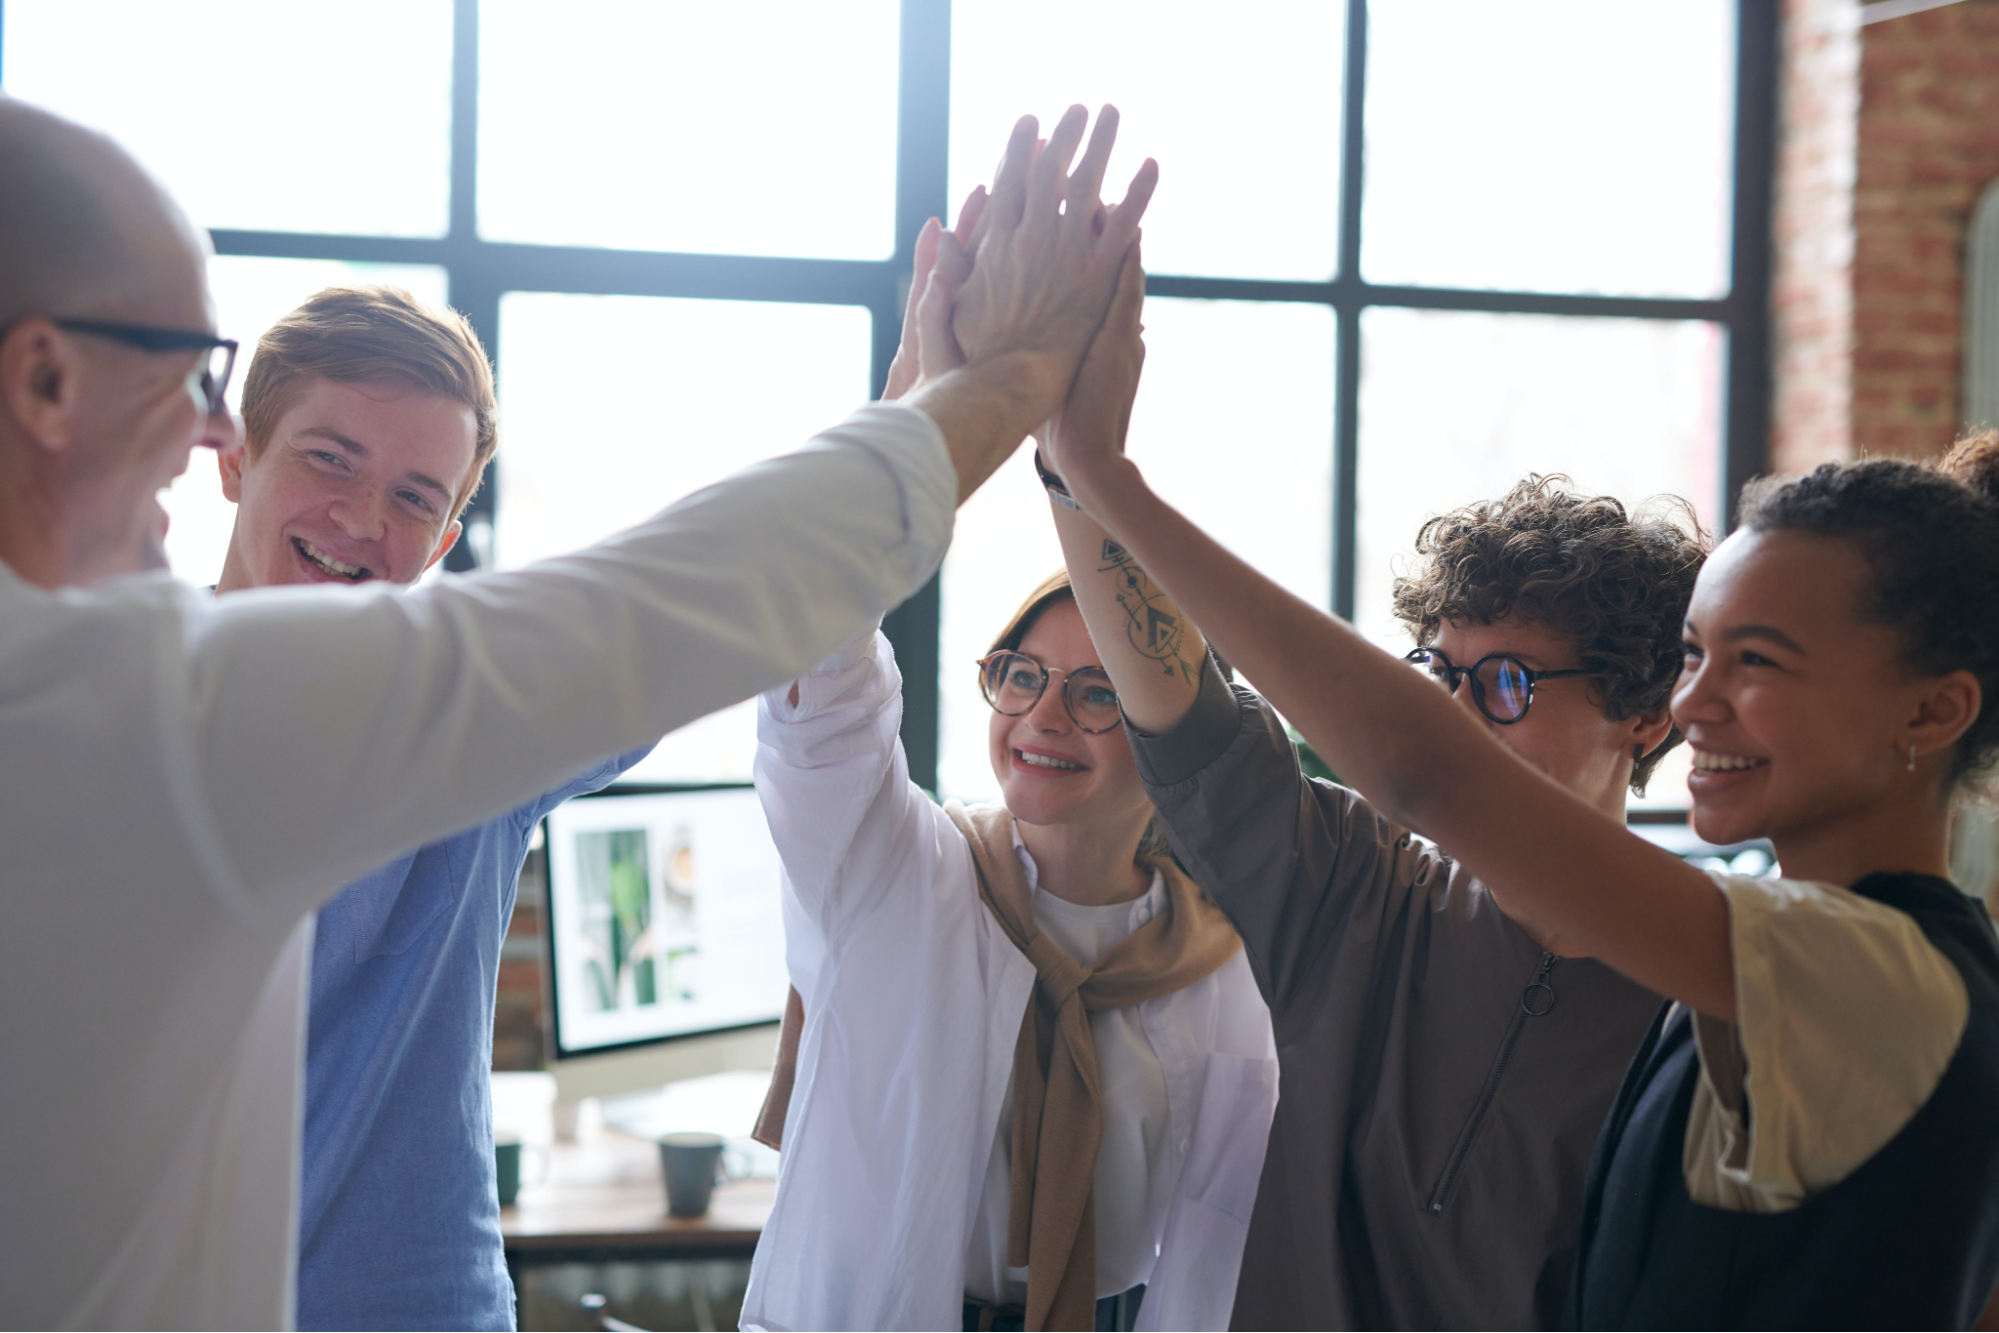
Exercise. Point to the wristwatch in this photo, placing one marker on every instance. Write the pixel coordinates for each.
(1057, 490)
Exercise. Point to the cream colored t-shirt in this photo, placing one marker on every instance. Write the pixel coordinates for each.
(1846, 1018)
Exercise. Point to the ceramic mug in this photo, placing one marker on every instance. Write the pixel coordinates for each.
(507, 1150)
(692, 1162)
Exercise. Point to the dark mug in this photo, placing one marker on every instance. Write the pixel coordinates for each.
(507, 1168)
(691, 1162)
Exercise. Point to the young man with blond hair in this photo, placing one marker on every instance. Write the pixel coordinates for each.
(368, 420)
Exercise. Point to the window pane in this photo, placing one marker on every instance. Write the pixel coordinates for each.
(613, 407)
(764, 129)
(1233, 425)
(1565, 146)
(1458, 407)
(1243, 102)
(306, 116)
(251, 294)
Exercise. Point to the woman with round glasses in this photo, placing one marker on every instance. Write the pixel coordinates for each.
(1026, 1079)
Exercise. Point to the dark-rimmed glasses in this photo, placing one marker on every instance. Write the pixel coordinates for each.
(215, 368)
(1502, 686)
(1014, 682)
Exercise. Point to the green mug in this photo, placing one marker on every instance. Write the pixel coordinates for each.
(507, 1149)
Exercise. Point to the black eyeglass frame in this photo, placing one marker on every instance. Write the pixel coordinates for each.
(148, 338)
(1454, 673)
(1068, 679)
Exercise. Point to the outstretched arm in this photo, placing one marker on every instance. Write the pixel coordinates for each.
(1151, 650)
(1561, 868)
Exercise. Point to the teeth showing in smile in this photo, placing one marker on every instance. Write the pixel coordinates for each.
(1710, 761)
(1046, 761)
(337, 568)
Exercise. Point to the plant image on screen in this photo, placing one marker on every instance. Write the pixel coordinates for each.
(665, 916)
(611, 876)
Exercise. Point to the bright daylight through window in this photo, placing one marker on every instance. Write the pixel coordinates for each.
(1399, 257)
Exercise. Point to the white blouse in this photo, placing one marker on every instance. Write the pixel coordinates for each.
(913, 1002)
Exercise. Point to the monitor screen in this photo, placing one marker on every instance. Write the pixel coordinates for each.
(664, 916)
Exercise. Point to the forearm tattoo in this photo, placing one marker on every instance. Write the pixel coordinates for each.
(1155, 631)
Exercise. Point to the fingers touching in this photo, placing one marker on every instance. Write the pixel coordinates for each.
(937, 347)
(973, 210)
(1009, 193)
(904, 370)
(1049, 173)
(1087, 181)
(1128, 302)
(1122, 225)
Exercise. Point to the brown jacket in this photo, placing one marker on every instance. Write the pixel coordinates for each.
(1426, 1164)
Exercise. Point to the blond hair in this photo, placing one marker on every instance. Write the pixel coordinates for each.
(369, 334)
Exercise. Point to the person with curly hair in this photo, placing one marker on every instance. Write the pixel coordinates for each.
(1443, 1071)
(1805, 1137)
(1444, 1067)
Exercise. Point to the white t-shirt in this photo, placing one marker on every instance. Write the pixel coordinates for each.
(183, 780)
(1135, 1150)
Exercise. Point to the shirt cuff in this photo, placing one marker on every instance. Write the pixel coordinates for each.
(1210, 726)
(911, 447)
(826, 682)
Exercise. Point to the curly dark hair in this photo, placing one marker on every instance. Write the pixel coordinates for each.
(1929, 533)
(1614, 585)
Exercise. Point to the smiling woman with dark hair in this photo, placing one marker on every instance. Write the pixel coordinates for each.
(1805, 1138)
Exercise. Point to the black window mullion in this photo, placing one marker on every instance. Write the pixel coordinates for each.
(1349, 295)
(479, 271)
(1745, 450)
(922, 174)
(468, 284)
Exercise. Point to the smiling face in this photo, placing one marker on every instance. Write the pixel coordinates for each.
(1796, 708)
(357, 483)
(1050, 770)
(1564, 733)
(102, 426)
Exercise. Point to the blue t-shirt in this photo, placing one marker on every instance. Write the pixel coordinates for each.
(399, 1220)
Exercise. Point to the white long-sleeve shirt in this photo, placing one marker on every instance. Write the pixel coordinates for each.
(182, 780)
(913, 1002)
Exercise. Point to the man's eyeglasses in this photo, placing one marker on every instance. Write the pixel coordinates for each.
(1014, 682)
(215, 367)
(1502, 686)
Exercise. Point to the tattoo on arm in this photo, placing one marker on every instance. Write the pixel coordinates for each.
(1158, 633)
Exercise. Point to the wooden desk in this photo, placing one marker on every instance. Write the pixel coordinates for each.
(605, 1201)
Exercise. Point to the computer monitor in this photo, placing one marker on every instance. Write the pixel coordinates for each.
(664, 917)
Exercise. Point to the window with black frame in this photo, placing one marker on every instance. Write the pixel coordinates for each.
(1402, 254)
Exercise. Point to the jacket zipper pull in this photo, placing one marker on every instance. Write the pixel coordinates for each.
(1539, 997)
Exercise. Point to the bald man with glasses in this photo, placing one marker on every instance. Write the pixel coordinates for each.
(185, 778)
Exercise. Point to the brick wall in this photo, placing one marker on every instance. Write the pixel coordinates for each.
(1895, 125)
(1811, 272)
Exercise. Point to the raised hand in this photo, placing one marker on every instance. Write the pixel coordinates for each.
(1048, 254)
(932, 285)
(1093, 421)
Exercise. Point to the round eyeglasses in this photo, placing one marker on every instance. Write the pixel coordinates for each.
(1014, 682)
(1502, 686)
